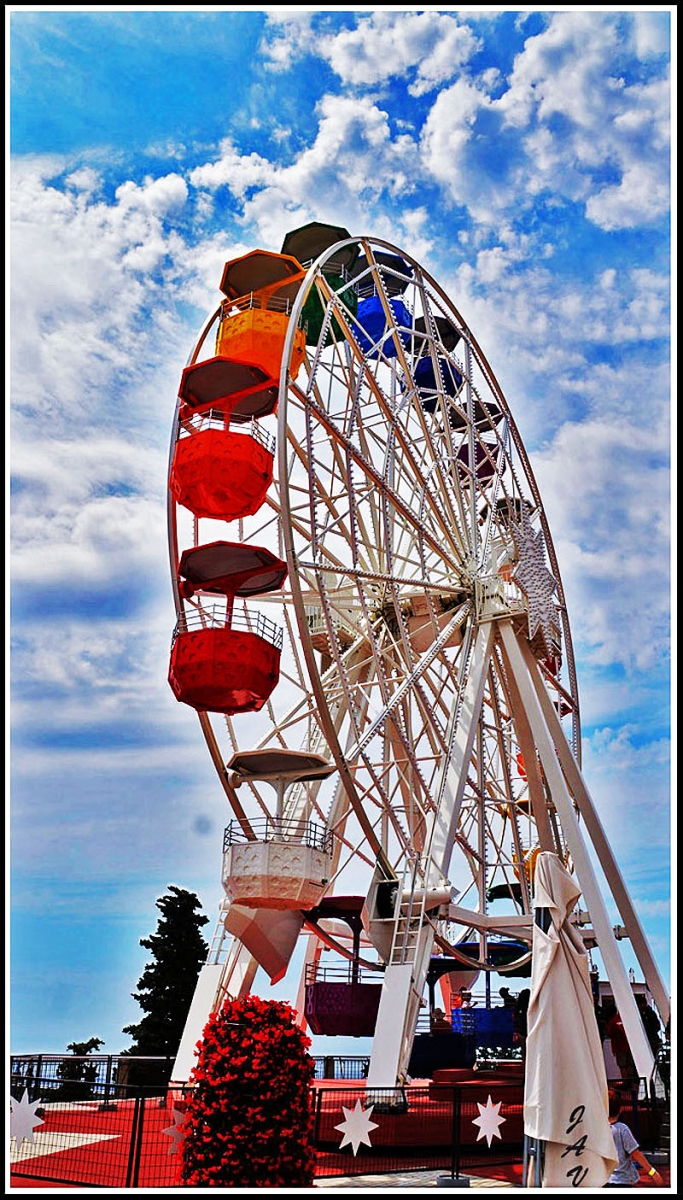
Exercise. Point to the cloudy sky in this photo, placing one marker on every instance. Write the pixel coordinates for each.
(524, 160)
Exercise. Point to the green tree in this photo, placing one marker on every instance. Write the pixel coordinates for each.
(167, 984)
(77, 1073)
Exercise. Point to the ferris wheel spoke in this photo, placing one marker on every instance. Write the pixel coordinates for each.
(416, 478)
(330, 494)
(408, 683)
(399, 506)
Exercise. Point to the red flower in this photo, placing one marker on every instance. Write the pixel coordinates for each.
(249, 1118)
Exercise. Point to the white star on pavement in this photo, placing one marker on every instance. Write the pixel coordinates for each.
(356, 1126)
(175, 1131)
(489, 1120)
(536, 581)
(23, 1120)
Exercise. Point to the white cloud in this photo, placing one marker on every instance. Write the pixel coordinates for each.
(652, 908)
(88, 311)
(605, 487)
(159, 196)
(564, 119)
(87, 513)
(108, 659)
(446, 134)
(104, 541)
(651, 33)
(562, 70)
(539, 331)
(85, 180)
(432, 45)
(286, 39)
(628, 782)
(238, 172)
(626, 205)
(353, 162)
(621, 747)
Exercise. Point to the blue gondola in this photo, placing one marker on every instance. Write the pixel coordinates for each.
(371, 330)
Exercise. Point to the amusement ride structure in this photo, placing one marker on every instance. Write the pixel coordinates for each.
(372, 628)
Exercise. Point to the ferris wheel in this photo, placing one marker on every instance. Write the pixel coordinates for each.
(372, 628)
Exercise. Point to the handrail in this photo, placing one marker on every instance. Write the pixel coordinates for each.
(278, 829)
(219, 616)
(270, 303)
(215, 418)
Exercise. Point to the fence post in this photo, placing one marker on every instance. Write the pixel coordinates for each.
(131, 1147)
(138, 1144)
(135, 1148)
(635, 1091)
(457, 1112)
(455, 1179)
(106, 1106)
(316, 1125)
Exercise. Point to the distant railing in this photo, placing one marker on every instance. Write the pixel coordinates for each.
(111, 1074)
(334, 1066)
(57, 1076)
(347, 972)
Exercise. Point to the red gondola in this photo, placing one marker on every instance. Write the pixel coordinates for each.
(228, 663)
(221, 473)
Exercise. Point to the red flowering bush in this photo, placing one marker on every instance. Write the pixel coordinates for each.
(249, 1115)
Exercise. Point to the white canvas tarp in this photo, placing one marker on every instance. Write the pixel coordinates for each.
(565, 1085)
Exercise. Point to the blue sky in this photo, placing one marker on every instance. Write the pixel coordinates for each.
(524, 160)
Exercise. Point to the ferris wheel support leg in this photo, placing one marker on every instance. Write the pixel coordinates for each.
(397, 1015)
(404, 982)
(534, 782)
(237, 974)
(447, 816)
(201, 1008)
(548, 751)
(606, 858)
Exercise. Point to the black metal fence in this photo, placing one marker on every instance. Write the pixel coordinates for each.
(115, 1135)
(81, 1077)
(420, 1127)
(50, 1075)
(110, 1135)
(332, 1066)
(104, 1130)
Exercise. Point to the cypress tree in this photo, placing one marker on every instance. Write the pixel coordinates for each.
(167, 984)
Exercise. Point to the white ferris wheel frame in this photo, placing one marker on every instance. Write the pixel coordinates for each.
(422, 770)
